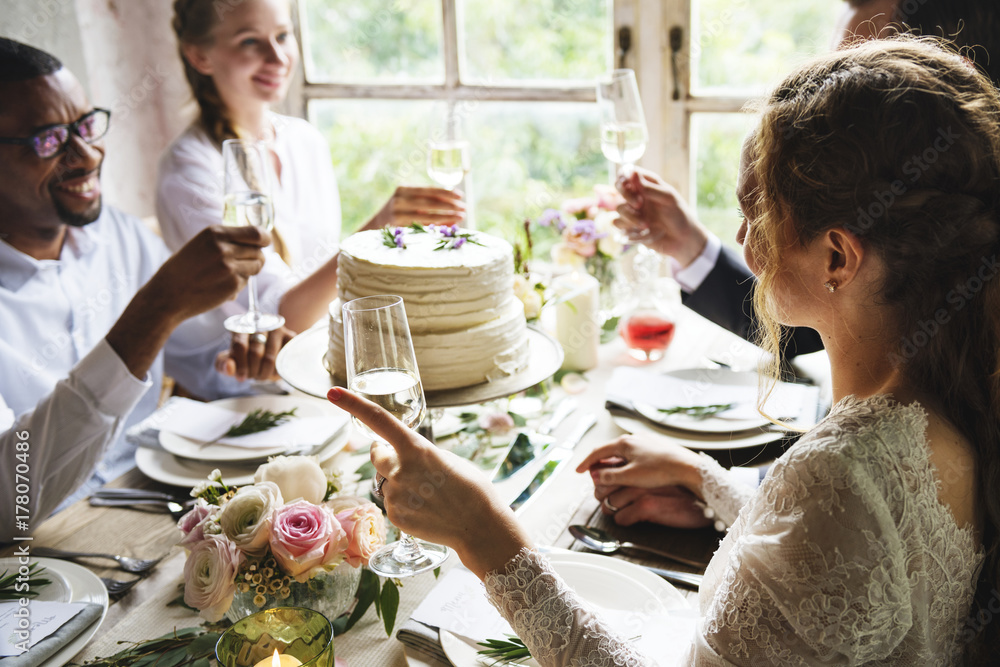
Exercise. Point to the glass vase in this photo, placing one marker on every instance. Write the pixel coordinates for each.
(330, 593)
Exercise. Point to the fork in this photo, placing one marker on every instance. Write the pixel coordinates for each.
(133, 565)
(117, 587)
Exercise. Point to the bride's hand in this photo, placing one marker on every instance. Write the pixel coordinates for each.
(642, 461)
(434, 495)
(672, 506)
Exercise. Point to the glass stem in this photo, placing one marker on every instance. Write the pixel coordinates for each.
(252, 297)
(407, 550)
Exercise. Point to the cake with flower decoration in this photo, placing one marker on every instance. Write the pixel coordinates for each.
(457, 288)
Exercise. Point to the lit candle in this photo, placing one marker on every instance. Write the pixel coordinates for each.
(577, 326)
(279, 660)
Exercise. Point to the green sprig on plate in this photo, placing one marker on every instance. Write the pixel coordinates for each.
(505, 651)
(12, 586)
(698, 411)
(259, 420)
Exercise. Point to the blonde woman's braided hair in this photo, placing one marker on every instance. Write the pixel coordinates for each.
(193, 23)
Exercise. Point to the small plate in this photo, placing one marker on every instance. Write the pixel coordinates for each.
(195, 450)
(70, 583)
(300, 364)
(606, 582)
(169, 469)
(699, 441)
(717, 376)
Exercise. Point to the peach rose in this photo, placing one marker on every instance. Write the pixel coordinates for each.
(365, 528)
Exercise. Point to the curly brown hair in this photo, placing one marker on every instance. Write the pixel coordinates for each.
(194, 21)
(898, 141)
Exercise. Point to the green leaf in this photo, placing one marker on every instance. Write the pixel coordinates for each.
(258, 420)
(366, 470)
(609, 331)
(437, 572)
(204, 645)
(367, 594)
(201, 662)
(390, 605)
(518, 419)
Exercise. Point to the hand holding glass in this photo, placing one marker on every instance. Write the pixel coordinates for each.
(248, 202)
(447, 151)
(381, 367)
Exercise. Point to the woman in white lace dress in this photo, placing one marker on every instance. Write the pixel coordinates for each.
(871, 195)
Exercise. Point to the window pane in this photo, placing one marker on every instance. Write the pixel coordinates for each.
(525, 156)
(717, 139)
(376, 145)
(378, 41)
(744, 47)
(529, 156)
(535, 40)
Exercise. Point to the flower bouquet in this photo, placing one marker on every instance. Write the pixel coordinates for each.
(276, 541)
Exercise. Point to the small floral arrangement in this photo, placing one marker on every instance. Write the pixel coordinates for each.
(586, 227)
(450, 237)
(288, 526)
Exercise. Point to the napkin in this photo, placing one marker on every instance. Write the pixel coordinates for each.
(629, 387)
(422, 638)
(67, 632)
(207, 423)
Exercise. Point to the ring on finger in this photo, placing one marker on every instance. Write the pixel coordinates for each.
(607, 503)
(379, 481)
(259, 338)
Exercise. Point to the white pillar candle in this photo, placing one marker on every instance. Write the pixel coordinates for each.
(577, 327)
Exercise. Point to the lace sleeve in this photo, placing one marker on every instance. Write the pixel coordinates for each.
(723, 494)
(812, 572)
(558, 628)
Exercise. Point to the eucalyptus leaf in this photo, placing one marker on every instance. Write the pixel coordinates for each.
(368, 591)
(390, 605)
(204, 645)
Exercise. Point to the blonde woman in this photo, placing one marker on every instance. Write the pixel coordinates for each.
(239, 59)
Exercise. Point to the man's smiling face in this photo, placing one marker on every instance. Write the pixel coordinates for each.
(40, 195)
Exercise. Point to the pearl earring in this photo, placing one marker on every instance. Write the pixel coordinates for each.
(831, 285)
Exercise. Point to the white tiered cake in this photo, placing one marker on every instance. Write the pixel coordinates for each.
(467, 325)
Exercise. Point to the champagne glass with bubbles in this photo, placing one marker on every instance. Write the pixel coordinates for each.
(381, 367)
(248, 202)
(448, 151)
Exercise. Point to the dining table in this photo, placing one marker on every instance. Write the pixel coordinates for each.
(150, 609)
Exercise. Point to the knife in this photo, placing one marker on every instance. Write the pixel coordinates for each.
(523, 450)
(682, 578)
(556, 460)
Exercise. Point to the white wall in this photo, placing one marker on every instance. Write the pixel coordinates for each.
(125, 54)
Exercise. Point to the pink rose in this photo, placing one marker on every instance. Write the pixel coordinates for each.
(306, 539)
(192, 524)
(365, 528)
(496, 423)
(608, 197)
(209, 576)
(579, 205)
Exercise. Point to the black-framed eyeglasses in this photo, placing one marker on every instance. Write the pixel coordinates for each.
(51, 140)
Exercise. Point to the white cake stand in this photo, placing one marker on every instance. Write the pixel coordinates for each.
(300, 364)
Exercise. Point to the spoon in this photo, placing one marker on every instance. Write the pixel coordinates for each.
(598, 540)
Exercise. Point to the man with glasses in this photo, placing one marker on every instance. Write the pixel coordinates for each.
(88, 298)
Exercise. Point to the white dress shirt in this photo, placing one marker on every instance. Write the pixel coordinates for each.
(189, 197)
(63, 390)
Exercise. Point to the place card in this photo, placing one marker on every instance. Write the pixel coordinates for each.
(44, 619)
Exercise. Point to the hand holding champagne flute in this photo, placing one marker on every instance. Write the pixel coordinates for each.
(248, 202)
(447, 151)
(381, 367)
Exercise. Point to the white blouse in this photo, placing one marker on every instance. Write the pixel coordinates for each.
(844, 556)
(189, 197)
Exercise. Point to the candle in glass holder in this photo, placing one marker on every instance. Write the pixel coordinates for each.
(279, 660)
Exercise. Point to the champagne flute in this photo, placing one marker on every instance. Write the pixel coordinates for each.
(248, 202)
(623, 127)
(448, 152)
(381, 367)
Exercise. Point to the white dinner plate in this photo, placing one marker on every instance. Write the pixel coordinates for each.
(701, 441)
(169, 469)
(305, 406)
(70, 583)
(606, 582)
(715, 425)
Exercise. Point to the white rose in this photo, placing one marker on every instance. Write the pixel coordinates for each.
(532, 304)
(520, 286)
(609, 244)
(209, 575)
(246, 518)
(296, 477)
